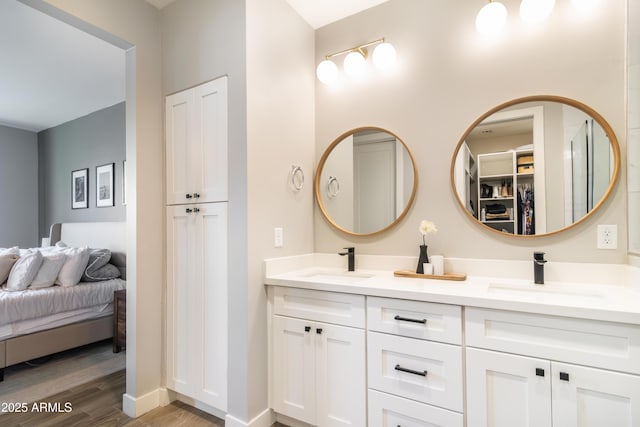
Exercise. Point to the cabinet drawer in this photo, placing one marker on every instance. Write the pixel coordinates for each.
(416, 319)
(587, 342)
(426, 371)
(329, 307)
(388, 410)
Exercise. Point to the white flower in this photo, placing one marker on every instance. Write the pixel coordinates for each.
(426, 227)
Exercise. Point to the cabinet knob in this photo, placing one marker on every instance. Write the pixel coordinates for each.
(188, 210)
(318, 331)
(540, 372)
(196, 210)
(564, 376)
(307, 328)
(188, 196)
(196, 195)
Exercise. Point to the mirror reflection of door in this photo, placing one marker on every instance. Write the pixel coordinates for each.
(374, 167)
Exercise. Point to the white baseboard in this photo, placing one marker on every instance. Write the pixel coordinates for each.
(136, 406)
(264, 419)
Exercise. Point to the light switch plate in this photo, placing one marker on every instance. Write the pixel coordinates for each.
(278, 237)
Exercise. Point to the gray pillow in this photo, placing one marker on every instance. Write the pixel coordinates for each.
(106, 272)
(6, 263)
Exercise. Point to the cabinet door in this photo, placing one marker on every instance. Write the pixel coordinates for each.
(182, 289)
(589, 397)
(180, 134)
(294, 387)
(340, 375)
(196, 144)
(209, 160)
(504, 390)
(211, 304)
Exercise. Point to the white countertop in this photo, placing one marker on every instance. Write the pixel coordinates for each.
(600, 292)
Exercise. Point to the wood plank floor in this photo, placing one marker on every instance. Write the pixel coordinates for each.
(99, 403)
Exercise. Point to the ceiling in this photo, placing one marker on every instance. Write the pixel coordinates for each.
(50, 72)
(317, 13)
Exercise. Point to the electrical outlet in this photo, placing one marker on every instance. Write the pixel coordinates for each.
(607, 236)
(278, 237)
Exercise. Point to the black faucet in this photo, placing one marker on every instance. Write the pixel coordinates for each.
(538, 268)
(351, 253)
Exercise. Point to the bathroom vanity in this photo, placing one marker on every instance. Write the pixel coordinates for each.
(367, 348)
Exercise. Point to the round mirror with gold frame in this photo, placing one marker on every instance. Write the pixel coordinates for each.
(366, 181)
(535, 166)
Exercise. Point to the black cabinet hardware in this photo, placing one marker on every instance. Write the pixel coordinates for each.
(188, 196)
(564, 376)
(407, 319)
(196, 210)
(307, 328)
(196, 195)
(318, 331)
(188, 210)
(540, 372)
(410, 371)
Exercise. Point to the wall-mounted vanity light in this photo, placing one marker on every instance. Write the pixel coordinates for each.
(355, 61)
(492, 18)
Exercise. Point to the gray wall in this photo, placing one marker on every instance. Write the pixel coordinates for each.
(86, 142)
(18, 188)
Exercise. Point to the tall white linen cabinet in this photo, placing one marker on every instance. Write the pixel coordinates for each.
(197, 202)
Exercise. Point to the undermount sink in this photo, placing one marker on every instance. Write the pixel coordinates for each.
(334, 276)
(548, 289)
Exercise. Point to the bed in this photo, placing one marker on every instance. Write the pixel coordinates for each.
(36, 323)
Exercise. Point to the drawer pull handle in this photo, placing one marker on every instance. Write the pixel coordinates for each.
(540, 372)
(407, 319)
(318, 331)
(564, 376)
(307, 328)
(410, 371)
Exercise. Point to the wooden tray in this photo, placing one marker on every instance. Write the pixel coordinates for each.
(447, 276)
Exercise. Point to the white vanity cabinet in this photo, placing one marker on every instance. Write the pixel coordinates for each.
(414, 363)
(318, 357)
(196, 144)
(538, 370)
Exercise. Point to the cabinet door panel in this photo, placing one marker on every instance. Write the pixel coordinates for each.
(211, 151)
(212, 243)
(389, 410)
(340, 375)
(179, 122)
(180, 290)
(503, 390)
(590, 397)
(294, 387)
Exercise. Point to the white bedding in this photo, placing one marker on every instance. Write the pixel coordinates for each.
(33, 303)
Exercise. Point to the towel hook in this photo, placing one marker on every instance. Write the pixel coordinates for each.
(333, 187)
(296, 178)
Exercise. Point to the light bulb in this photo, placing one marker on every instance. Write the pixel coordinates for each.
(384, 56)
(354, 64)
(536, 10)
(327, 72)
(491, 19)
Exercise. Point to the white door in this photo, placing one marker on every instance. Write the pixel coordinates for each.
(196, 144)
(340, 376)
(182, 287)
(294, 387)
(589, 397)
(211, 304)
(505, 390)
(374, 185)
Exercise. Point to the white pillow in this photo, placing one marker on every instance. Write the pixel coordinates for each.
(10, 251)
(74, 265)
(48, 273)
(24, 271)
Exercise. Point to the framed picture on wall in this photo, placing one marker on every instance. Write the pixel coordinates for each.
(80, 189)
(105, 185)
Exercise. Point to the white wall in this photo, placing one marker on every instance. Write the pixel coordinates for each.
(447, 77)
(18, 188)
(633, 124)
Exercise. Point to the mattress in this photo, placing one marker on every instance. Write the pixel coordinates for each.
(37, 303)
